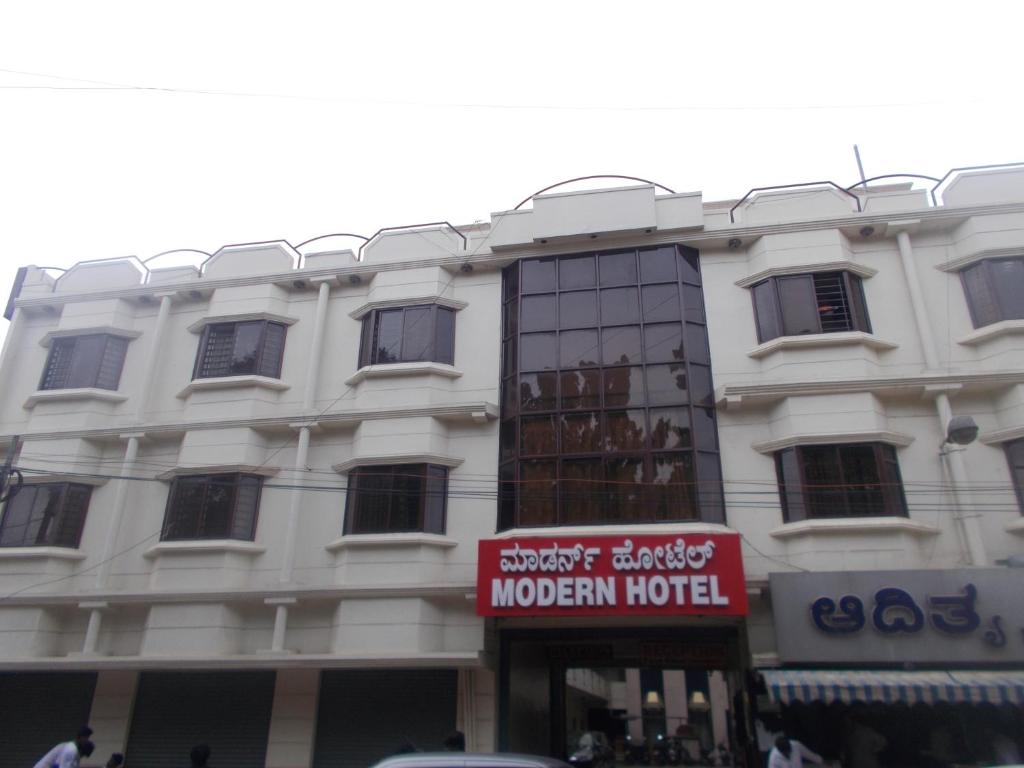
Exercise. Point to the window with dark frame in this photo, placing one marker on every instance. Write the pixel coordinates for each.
(90, 360)
(45, 515)
(396, 498)
(607, 408)
(251, 347)
(212, 507)
(1015, 455)
(822, 302)
(837, 481)
(423, 333)
(994, 290)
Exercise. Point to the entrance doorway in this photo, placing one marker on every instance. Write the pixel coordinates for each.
(654, 696)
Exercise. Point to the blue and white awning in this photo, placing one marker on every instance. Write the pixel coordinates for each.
(848, 686)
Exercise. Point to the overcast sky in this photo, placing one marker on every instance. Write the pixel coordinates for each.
(253, 121)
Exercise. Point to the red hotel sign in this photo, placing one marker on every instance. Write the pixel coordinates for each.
(648, 575)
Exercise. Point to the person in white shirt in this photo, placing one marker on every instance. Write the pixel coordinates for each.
(68, 753)
(790, 753)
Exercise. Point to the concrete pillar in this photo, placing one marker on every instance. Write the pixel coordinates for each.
(483, 713)
(676, 710)
(719, 695)
(634, 708)
(293, 718)
(111, 714)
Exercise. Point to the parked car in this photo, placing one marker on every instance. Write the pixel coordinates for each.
(469, 760)
(593, 751)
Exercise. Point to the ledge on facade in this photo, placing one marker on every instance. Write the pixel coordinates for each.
(805, 269)
(79, 393)
(410, 301)
(813, 340)
(232, 382)
(397, 458)
(109, 330)
(681, 528)
(1017, 526)
(220, 469)
(898, 439)
(390, 370)
(198, 325)
(39, 553)
(1002, 435)
(214, 546)
(76, 476)
(376, 540)
(965, 260)
(854, 525)
(992, 331)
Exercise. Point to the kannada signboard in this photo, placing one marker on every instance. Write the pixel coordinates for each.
(962, 616)
(644, 575)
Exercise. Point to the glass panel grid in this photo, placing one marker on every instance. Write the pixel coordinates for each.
(614, 385)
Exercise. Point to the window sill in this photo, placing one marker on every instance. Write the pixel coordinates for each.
(376, 540)
(813, 340)
(83, 393)
(854, 525)
(39, 553)
(403, 369)
(992, 331)
(214, 546)
(618, 529)
(1017, 526)
(232, 382)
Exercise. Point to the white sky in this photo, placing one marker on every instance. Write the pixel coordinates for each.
(375, 114)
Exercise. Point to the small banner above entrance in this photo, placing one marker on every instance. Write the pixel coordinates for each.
(645, 575)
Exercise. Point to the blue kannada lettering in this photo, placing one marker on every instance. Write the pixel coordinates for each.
(955, 614)
(896, 611)
(850, 619)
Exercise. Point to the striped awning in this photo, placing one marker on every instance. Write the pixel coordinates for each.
(785, 686)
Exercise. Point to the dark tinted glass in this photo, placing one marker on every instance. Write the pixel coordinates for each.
(45, 515)
(212, 507)
(693, 300)
(538, 351)
(93, 360)
(623, 386)
(671, 493)
(537, 493)
(418, 334)
(576, 272)
(537, 391)
(85, 362)
(620, 306)
(670, 428)
(273, 351)
(625, 430)
(578, 349)
(981, 297)
(697, 344)
(617, 268)
(445, 350)
(621, 345)
(577, 309)
(1008, 278)
(624, 490)
(705, 435)
(1015, 456)
(701, 391)
(658, 265)
(581, 389)
(248, 342)
(396, 498)
(581, 488)
(663, 343)
(540, 313)
(511, 324)
(581, 433)
(389, 336)
(769, 324)
(538, 276)
(666, 384)
(799, 306)
(537, 436)
(660, 303)
(689, 266)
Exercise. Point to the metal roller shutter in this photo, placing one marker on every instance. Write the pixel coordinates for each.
(38, 710)
(174, 711)
(365, 715)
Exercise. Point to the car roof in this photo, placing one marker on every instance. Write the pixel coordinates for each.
(469, 760)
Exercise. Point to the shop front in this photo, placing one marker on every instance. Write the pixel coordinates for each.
(636, 638)
(915, 667)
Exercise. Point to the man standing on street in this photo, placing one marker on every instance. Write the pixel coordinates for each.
(68, 753)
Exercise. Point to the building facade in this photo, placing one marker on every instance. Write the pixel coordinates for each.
(286, 503)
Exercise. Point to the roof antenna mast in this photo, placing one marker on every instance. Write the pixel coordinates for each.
(860, 166)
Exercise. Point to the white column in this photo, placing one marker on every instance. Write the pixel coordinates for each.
(117, 512)
(111, 714)
(294, 506)
(293, 718)
(155, 351)
(313, 366)
(92, 630)
(964, 509)
(634, 705)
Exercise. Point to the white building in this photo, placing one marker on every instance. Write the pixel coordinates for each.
(254, 491)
